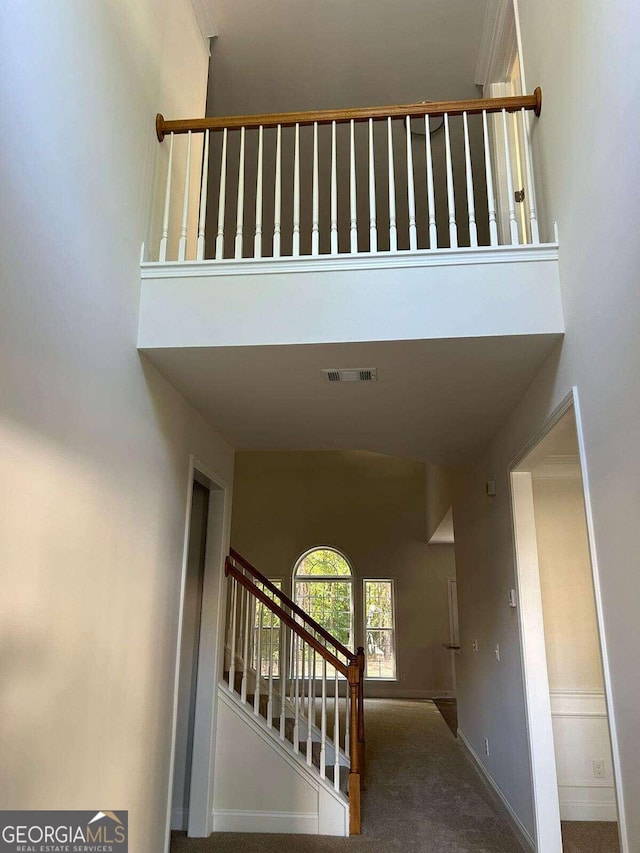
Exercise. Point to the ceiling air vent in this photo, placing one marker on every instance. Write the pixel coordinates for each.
(351, 374)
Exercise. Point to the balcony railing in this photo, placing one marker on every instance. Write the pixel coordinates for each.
(415, 178)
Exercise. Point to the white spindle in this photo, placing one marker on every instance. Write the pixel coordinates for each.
(296, 695)
(182, 243)
(433, 230)
(232, 662)
(451, 201)
(323, 721)
(222, 198)
(245, 652)
(315, 208)
(282, 669)
(257, 240)
(256, 692)
(203, 197)
(296, 193)
(491, 201)
(411, 192)
(240, 207)
(167, 202)
(531, 191)
(277, 202)
(313, 688)
(334, 191)
(373, 230)
(336, 737)
(471, 203)
(513, 222)
(393, 226)
(270, 694)
(353, 219)
(310, 705)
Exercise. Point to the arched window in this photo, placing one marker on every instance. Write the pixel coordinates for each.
(323, 587)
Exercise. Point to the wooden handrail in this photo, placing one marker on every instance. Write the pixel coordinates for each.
(244, 581)
(284, 598)
(434, 108)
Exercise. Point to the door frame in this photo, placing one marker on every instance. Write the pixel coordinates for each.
(210, 652)
(544, 781)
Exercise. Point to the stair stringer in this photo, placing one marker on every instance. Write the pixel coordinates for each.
(262, 785)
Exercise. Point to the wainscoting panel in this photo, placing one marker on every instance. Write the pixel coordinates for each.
(581, 737)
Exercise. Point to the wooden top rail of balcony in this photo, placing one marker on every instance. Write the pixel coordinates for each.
(434, 108)
(291, 605)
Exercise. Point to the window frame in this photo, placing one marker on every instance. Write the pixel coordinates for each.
(393, 629)
(350, 578)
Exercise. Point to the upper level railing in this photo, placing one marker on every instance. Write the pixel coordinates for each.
(414, 177)
(271, 639)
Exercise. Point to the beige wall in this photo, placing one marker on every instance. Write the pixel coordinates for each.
(94, 443)
(371, 507)
(584, 55)
(570, 627)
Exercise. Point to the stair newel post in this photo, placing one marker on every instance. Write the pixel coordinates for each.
(354, 750)
(361, 743)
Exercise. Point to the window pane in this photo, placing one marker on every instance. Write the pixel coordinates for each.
(330, 603)
(379, 629)
(324, 562)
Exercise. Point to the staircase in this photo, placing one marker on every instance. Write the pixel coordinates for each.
(291, 751)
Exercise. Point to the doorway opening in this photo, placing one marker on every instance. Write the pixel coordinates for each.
(571, 733)
(198, 659)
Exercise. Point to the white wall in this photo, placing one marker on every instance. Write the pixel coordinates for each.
(95, 444)
(371, 507)
(583, 54)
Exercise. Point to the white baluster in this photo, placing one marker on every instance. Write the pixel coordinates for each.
(334, 191)
(471, 203)
(323, 721)
(296, 695)
(353, 221)
(222, 198)
(270, 694)
(277, 203)
(167, 202)
(411, 192)
(336, 737)
(182, 243)
(315, 215)
(281, 674)
(232, 662)
(513, 222)
(256, 692)
(433, 230)
(393, 226)
(531, 190)
(245, 670)
(240, 208)
(313, 688)
(257, 240)
(451, 202)
(296, 194)
(373, 230)
(310, 706)
(203, 197)
(491, 201)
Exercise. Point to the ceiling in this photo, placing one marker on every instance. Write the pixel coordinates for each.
(288, 55)
(439, 401)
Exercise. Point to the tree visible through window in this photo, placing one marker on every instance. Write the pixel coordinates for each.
(379, 629)
(323, 587)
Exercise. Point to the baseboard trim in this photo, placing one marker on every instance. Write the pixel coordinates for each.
(227, 820)
(518, 828)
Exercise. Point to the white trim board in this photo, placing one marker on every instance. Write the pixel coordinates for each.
(228, 820)
(518, 828)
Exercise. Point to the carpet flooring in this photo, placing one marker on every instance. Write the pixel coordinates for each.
(590, 837)
(422, 796)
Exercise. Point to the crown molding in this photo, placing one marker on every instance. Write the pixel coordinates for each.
(203, 10)
(498, 44)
